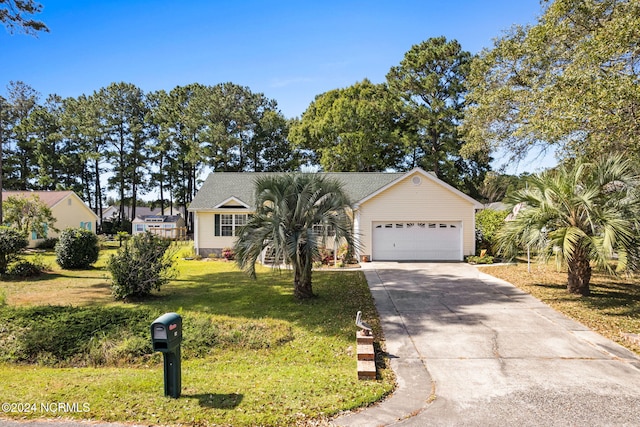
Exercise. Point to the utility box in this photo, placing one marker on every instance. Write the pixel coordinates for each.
(166, 337)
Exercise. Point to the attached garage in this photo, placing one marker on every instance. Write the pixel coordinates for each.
(397, 216)
(417, 241)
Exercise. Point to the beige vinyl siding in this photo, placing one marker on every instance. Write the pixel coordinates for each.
(427, 201)
(206, 239)
(70, 212)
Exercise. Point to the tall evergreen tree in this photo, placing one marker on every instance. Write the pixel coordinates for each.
(123, 112)
(45, 122)
(85, 145)
(430, 83)
(19, 141)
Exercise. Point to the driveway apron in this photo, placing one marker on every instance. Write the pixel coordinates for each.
(469, 349)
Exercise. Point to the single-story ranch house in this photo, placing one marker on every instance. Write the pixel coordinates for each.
(407, 216)
(66, 207)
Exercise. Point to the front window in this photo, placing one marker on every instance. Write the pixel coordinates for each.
(226, 225)
(229, 224)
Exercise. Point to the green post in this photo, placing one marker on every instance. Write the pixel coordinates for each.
(172, 373)
(166, 336)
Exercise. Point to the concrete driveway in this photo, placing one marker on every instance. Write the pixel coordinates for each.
(472, 350)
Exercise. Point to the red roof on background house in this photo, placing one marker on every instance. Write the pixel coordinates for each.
(49, 198)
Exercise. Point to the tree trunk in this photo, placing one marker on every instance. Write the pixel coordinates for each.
(579, 274)
(302, 281)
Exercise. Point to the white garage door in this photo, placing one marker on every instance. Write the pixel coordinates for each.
(417, 241)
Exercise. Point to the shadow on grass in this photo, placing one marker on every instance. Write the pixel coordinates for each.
(217, 401)
(339, 295)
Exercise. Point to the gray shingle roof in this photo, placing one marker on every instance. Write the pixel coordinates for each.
(157, 218)
(220, 186)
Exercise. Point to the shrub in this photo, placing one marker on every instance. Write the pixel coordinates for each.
(49, 243)
(24, 268)
(118, 336)
(77, 249)
(74, 336)
(228, 254)
(487, 259)
(488, 222)
(12, 242)
(141, 265)
(346, 254)
(325, 256)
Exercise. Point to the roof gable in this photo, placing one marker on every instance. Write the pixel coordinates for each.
(429, 176)
(233, 202)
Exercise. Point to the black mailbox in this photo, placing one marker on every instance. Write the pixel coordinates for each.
(166, 336)
(166, 332)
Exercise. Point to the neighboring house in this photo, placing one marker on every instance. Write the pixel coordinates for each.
(111, 213)
(67, 208)
(407, 216)
(170, 226)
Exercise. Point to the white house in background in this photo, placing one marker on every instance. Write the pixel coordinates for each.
(111, 213)
(407, 216)
(169, 226)
(67, 208)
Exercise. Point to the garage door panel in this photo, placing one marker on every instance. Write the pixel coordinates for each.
(413, 241)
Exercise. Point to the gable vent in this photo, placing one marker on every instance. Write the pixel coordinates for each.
(416, 180)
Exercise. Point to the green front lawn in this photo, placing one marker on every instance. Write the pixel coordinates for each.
(255, 355)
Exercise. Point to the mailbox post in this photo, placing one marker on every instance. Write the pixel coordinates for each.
(166, 336)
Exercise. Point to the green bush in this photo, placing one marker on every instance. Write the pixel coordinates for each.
(24, 268)
(49, 243)
(119, 336)
(77, 249)
(66, 336)
(141, 265)
(12, 242)
(488, 222)
(487, 259)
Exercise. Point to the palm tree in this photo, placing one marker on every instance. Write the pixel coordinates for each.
(295, 214)
(587, 213)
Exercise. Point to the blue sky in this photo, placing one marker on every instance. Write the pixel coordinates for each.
(290, 51)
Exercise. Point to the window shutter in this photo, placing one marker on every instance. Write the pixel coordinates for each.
(46, 230)
(217, 225)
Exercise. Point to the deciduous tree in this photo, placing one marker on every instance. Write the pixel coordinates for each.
(350, 130)
(570, 83)
(29, 214)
